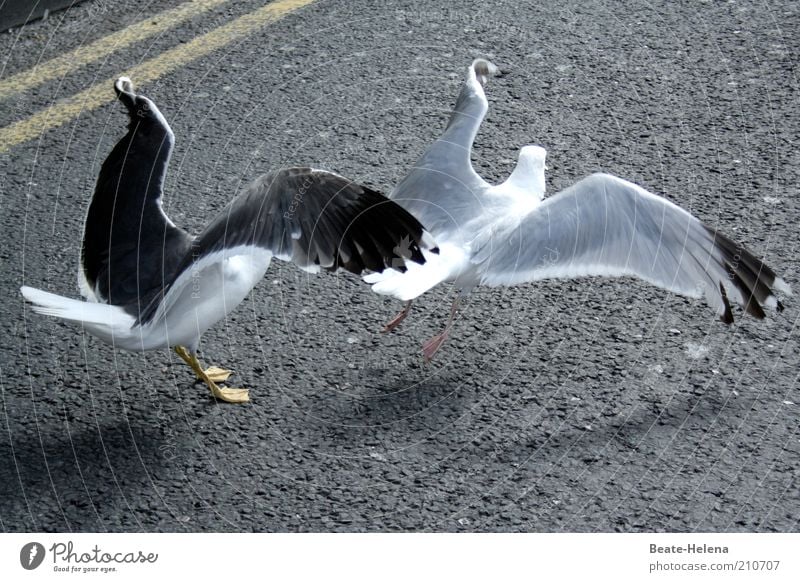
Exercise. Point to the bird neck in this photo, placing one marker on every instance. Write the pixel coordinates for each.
(528, 176)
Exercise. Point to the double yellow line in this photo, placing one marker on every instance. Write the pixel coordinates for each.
(100, 93)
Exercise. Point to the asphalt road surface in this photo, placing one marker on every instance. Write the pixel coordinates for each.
(589, 405)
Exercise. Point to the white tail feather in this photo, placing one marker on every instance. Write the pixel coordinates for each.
(104, 321)
(418, 279)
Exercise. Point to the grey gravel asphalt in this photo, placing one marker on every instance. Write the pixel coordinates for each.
(589, 405)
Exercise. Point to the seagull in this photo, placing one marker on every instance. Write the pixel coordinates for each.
(148, 284)
(510, 234)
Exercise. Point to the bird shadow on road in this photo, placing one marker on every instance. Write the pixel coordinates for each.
(390, 402)
(643, 428)
(77, 478)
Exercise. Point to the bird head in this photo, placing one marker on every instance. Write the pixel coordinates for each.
(483, 69)
(144, 114)
(533, 157)
(529, 173)
(137, 105)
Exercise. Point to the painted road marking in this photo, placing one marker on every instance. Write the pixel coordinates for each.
(84, 55)
(155, 68)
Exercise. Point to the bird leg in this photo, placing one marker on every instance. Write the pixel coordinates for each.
(398, 318)
(234, 395)
(430, 347)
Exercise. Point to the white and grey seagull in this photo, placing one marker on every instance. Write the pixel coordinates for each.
(148, 284)
(602, 225)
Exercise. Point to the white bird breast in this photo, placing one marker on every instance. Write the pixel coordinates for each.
(207, 292)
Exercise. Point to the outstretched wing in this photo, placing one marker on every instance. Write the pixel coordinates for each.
(442, 189)
(607, 226)
(129, 245)
(315, 219)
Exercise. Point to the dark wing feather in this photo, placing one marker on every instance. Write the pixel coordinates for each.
(314, 219)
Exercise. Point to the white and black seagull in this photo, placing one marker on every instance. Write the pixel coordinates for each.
(148, 284)
(511, 234)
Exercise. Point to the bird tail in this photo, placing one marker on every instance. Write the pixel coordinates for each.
(99, 318)
(417, 279)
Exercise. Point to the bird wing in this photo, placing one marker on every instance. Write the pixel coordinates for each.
(317, 219)
(442, 189)
(129, 245)
(606, 226)
(313, 218)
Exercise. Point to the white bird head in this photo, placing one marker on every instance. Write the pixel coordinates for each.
(482, 69)
(529, 173)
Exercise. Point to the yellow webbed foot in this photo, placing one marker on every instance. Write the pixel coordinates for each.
(213, 375)
(232, 395)
(216, 374)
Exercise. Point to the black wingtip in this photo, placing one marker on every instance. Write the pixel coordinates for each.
(349, 225)
(751, 277)
(398, 231)
(727, 316)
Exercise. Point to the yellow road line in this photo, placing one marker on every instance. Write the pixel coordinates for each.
(168, 61)
(66, 63)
